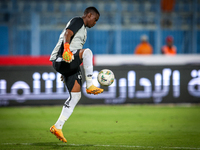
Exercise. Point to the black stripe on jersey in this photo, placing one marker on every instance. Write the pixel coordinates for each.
(75, 24)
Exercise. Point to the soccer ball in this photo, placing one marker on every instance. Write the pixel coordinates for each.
(106, 77)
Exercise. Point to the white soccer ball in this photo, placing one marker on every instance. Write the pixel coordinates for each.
(106, 77)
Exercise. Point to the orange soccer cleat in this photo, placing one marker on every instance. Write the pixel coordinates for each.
(94, 90)
(58, 133)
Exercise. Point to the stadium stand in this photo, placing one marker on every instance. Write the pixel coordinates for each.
(137, 17)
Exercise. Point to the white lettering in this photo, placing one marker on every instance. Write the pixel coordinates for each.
(36, 83)
(3, 87)
(24, 87)
(131, 84)
(194, 84)
(176, 83)
(161, 92)
(146, 83)
(48, 81)
(118, 92)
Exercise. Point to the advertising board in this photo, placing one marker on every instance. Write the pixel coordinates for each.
(41, 85)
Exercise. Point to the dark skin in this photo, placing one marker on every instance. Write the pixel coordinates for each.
(169, 44)
(89, 20)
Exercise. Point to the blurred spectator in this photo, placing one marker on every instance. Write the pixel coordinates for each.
(167, 7)
(169, 48)
(144, 48)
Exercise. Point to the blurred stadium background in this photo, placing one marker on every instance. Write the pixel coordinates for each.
(32, 27)
(29, 30)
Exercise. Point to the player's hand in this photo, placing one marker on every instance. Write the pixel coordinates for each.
(67, 54)
(62, 78)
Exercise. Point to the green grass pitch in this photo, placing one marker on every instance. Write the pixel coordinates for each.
(102, 127)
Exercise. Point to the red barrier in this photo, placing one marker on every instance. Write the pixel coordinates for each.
(25, 61)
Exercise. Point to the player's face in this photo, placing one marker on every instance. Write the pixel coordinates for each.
(93, 19)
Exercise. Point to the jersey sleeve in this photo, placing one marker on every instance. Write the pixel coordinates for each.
(75, 24)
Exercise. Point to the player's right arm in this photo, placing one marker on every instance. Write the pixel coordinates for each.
(67, 36)
(74, 25)
(67, 54)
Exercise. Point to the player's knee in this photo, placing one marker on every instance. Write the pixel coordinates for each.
(76, 95)
(87, 52)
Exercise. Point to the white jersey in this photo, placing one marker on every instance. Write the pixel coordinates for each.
(77, 40)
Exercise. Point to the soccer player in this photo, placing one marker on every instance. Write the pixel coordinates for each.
(67, 57)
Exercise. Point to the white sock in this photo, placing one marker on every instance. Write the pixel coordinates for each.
(67, 109)
(88, 66)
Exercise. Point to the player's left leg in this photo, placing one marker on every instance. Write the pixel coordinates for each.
(86, 56)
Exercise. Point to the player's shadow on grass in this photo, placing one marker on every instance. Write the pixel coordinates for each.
(60, 145)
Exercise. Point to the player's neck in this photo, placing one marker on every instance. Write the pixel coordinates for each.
(84, 20)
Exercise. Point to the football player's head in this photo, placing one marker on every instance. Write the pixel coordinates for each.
(91, 16)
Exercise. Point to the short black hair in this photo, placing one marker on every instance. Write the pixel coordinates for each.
(91, 9)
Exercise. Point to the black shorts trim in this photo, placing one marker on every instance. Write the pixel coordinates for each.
(70, 80)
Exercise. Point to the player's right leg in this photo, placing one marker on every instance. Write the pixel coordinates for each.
(66, 112)
(58, 133)
(72, 77)
(68, 107)
(87, 57)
